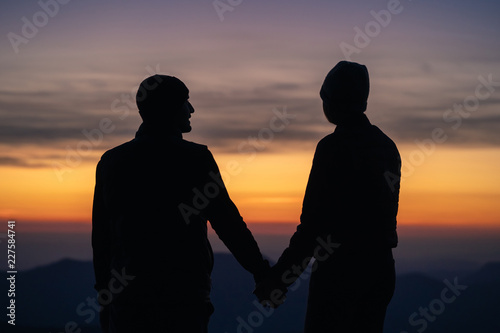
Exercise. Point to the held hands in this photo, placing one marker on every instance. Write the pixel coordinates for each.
(270, 290)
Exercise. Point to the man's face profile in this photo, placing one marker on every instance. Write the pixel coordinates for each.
(185, 113)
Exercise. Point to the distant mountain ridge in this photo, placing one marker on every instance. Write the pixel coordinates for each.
(51, 296)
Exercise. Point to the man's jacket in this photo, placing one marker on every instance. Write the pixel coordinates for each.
(351, 197)
(153, 197)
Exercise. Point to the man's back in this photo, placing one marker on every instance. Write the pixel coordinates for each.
(349, 190)
(141, 184)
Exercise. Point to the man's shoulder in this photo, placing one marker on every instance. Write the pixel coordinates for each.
(192, 151)
(370, 137)
(330, 140)
(193, 146)
(377, 132)
(329, 145)
(119, 150)
(135, 146)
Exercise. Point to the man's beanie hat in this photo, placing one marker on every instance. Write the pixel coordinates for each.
(347, 85)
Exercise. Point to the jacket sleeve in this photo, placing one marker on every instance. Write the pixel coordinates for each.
(316, 210)
(101, 238)
(230, 227)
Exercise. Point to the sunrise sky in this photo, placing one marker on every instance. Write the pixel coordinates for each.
(68, 77)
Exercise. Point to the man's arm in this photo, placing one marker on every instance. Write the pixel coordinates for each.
(230, 227)
(297, 256)
(100, 235)
(316, 212)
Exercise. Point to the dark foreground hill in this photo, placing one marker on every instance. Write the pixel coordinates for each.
(60, 298)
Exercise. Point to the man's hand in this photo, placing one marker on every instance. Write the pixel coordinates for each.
(104, 318)
(271, 292)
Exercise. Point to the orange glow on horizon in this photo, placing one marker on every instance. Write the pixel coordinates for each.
(452, 187)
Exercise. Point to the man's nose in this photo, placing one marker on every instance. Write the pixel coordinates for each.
(190, 106)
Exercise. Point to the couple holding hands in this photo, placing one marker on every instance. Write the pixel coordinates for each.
(147, 224)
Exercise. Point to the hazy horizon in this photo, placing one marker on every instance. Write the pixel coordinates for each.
(425, 249)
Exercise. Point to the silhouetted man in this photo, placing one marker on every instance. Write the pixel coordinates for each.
(348, 220)
(152, 200)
